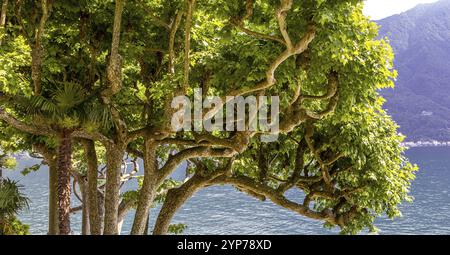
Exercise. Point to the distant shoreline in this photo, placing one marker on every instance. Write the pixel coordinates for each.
(420, 144)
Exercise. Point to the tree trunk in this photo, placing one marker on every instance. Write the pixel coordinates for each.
(101, 209)
(64, 166)
(147, 223)
(53, 225)
(3, 14)
(114, 157)
(2, 227)
(124, 208)
(175, 198)
(37, 50)
(148, 190)
(50, 159)
(92, 201)
(119, 226)
(85, 227)
(3, 17)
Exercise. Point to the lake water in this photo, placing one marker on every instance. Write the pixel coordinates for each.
(223, 210)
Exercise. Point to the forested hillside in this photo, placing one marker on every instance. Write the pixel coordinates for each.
(420, 103)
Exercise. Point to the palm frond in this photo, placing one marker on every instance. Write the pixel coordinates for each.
(100, 116)
(68, 105)
(40, 104)
(12, 200)
(69, 95)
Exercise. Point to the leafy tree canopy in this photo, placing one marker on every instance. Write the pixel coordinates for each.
(108, 70)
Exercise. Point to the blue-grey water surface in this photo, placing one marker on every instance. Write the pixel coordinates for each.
(223, 210)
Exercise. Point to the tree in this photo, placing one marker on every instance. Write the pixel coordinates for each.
(3, 14)
(12, 201)
(133, 58)
(363, 175)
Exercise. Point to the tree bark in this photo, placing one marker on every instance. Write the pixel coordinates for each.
(37, 51)
(50, 159)
(53, 222)
(3, 14)
(114, 157)
(148, 190)
(175, 198)
(114, 68)
(92, 179)
(115, 152)
(31, 128)
(85, 224)
(147, 223)
(64, 165)
(101, 209)
(124, 207)
(3, 17)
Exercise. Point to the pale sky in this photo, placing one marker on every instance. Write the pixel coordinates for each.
(378, 9)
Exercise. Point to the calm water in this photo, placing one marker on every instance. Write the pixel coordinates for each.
(222, 210)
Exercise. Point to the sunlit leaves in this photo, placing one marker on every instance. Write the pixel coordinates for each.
(222, 58)
(14, 58)
(7, 162)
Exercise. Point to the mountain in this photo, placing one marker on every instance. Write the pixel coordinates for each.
(420, 103)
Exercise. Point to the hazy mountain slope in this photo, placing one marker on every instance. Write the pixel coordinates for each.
(420, 103)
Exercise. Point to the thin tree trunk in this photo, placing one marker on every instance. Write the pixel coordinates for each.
(53, 225)
(64, 190)
(37, 51)
(124, 208)
(119, 226)
(114, 157)
(101, 209)
(3, 14)
(3, 17)
(115, 152)
(148, 190)
(85, 227)
(50, 157)
(92, 201)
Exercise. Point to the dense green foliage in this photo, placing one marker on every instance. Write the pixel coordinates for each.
(108, 76)
(12, 202)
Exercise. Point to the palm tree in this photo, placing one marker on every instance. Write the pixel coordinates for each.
(12, 202)
(67, 108)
